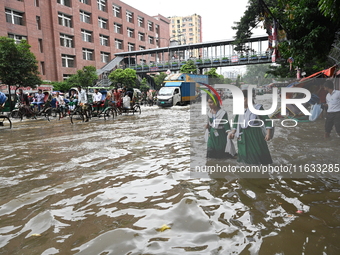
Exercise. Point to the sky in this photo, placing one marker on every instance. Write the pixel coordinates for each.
(218, 16)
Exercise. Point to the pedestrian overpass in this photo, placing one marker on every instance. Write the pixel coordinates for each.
(211, 54)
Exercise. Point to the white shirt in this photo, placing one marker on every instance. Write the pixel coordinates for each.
(97, 97)
(60, 100)
(126, 101)
(82, 97)
(333, 101)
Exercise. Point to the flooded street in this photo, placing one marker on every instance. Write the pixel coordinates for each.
(126, 187)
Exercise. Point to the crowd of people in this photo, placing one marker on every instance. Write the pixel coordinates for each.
(252, 140)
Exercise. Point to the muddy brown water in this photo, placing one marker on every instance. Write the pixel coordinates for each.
(109, 187)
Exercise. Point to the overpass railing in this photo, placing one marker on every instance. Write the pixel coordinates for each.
(175, 64)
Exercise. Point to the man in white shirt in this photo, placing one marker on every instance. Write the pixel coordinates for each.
(97, 99)
(82, 101)
(333, 111)
(60, 103)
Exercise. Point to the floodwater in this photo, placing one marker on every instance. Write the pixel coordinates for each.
(125, 187)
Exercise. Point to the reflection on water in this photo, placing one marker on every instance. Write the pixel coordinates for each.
(107, 187)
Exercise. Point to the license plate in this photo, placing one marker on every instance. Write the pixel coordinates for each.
(162, 102)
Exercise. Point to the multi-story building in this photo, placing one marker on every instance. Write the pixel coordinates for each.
(66, 35)
(187, 30)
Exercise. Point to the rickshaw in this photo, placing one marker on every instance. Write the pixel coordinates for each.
(5, 122)
(31, 112)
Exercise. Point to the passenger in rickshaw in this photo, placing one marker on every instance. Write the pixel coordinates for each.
(23, 98)
(3, 99)
(60, 103)
(126, 102)
(97, 100)
(73, 97)
(39, 99)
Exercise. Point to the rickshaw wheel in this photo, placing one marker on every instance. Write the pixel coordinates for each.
(5, 122)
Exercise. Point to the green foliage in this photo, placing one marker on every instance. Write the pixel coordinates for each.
(18, 65)
(214, 77)
(144, 87)
(256, 74)
(63, 86)
(309, 28)
(189, 67)
(330, 8)
(85, 77)
(124, 77)
(159, 79)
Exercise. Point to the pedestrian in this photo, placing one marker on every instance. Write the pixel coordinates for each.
(251, 140)
(217, 130)
(333, 110)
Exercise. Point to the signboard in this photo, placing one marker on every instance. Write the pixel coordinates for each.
(234, 59)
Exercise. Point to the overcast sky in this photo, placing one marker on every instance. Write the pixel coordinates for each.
(218, 16)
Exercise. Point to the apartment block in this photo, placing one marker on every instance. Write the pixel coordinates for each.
(66, 35)
(187, 30)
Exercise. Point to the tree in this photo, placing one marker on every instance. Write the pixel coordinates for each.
(18, 65)
(85, 77)
(189, 67)
(62, 86)
(330, 8)
(256, 74)
(309, 33)
(125, 77)
(214, 77)
(143, 86)
(159, 79)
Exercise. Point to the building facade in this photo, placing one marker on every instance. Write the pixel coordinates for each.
(187, 30)
(66, 35)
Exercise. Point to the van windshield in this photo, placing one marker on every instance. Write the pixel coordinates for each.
(166, 91)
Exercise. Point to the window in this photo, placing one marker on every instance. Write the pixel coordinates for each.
(151, 40)
(38, 23)
(104, 40)
(150, 26)
(129, 16)
(86, 35)
(36, 3)
(119, 44)
(40, 44)
(14, 17)
(64, 2)
(84, 1)
(140, 21)
(66, 76)
(67, 60)
(141, 36)
(85, 17)
(131, 47)
(141, 48)
(87, 54)
(102, 23)
(104, 57)
(17, 38)
(64, 20)
(116, 11)
(42, 68)
(66, 40)
(130, 32)
(117, 28)
(183, 30)
(101, 5)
